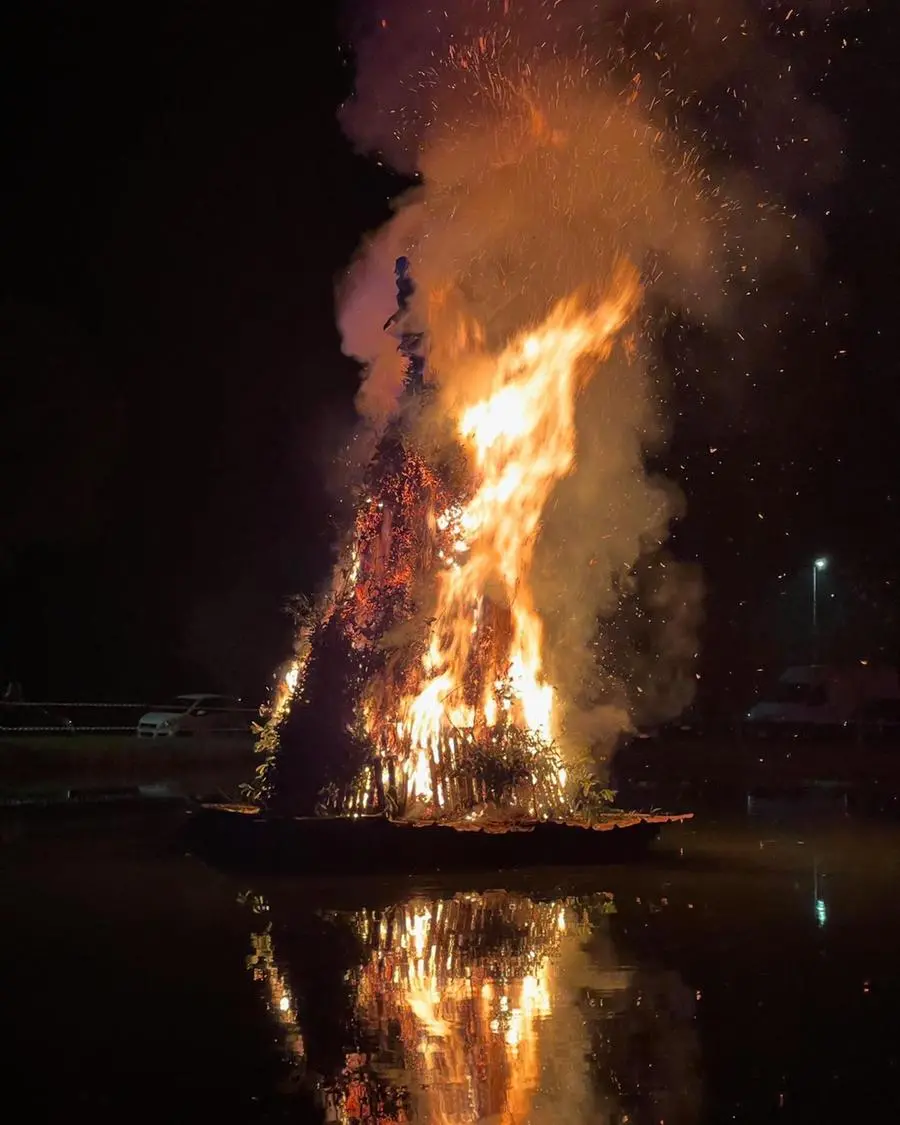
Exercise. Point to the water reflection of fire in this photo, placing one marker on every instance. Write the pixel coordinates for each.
(459, 992)
(494, 1007)
(279, 997)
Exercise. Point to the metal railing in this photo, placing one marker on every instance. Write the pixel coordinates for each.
(108, 718)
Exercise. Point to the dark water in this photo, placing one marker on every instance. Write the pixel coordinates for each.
(748, 972)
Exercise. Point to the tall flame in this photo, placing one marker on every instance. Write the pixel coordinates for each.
(483, 658)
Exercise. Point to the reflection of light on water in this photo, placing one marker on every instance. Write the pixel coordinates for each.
(261, 963)
(819, 903)
(459, 994)
(495, 1008)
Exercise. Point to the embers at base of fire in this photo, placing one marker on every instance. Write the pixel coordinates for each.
(325, 762)
(338, 748)
(331, 751)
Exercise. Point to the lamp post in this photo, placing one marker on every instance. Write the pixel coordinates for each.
(818, 565)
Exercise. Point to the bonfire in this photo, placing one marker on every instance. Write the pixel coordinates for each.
(502, 605)
(418, 687)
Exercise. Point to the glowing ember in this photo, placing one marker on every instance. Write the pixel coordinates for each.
(288, 682)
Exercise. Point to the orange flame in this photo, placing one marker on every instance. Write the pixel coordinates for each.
(483, 658)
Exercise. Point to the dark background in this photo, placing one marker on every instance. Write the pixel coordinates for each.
(178, 199)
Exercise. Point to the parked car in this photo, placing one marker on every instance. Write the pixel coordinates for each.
(200, 713)
(818, 698)
(24, 718)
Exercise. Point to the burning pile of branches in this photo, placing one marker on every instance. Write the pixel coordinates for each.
(559, 170)
(434, 643)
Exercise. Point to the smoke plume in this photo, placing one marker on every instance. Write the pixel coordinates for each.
(552, 139)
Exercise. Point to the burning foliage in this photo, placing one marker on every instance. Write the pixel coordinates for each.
(424, 663)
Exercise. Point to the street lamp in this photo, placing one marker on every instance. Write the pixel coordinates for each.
(817, 566)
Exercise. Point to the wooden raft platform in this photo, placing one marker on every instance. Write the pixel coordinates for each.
(244, 837)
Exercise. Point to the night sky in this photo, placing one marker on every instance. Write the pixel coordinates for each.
(178, 200)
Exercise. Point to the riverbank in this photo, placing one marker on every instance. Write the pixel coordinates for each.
(669, 772)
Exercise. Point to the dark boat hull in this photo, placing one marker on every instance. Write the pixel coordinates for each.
(236, 838)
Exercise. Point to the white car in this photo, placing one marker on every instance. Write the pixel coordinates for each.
(196, 714)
